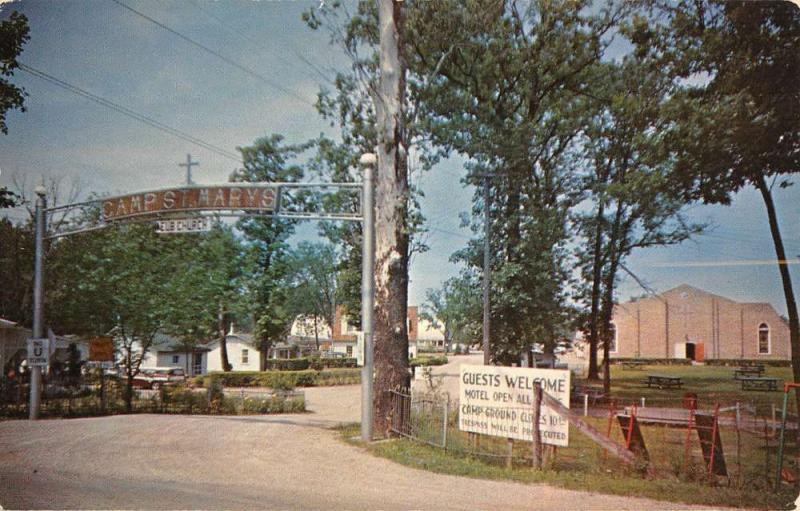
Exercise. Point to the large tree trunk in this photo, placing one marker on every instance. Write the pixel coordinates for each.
(786, 280)
(597, 273)
(391, 230)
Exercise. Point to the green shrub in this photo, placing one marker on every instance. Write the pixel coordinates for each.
(288, 364)
(744, 361)
(333, 363)
(427, 361)
(275, 404)
(654, 361)
(338, 377)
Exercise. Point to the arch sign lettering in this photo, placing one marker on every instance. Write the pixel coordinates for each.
(189, 208)
(263, 198)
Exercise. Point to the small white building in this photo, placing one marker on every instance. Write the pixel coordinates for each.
(203, 358)
(243, 354)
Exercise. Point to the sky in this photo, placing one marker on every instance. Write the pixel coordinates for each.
(104, 48)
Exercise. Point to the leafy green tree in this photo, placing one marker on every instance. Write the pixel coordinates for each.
(205, 293)
(372, 109)
(508, 87)
(634, 203)
(13, 35)
(269, 160)
(312, 281)
(116, 280)
(456, 307)
(16, 259)
(736, 120)
(8, 199)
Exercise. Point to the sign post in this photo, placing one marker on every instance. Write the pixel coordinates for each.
(38, 309)
(101, 355)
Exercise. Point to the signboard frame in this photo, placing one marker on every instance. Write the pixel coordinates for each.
(183, 225)
(498, 401)
(101, 349)
(38, 352)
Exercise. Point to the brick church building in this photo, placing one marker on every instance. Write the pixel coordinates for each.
(686, 322)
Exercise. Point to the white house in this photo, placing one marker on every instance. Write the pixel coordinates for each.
(243, 353)
(202, 358)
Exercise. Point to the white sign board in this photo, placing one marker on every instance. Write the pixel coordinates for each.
(196, 224)
(498, 401)
(38, 352)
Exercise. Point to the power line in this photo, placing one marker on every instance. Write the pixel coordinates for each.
(220, 56)
(244, 37)
(130, 113)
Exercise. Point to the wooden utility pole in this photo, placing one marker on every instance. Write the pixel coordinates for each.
(391, 215)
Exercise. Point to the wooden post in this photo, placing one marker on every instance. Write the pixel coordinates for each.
(587, 429)
(585, 405)
(510, 452)
(444, 423)
(102, 391)
(537, 436)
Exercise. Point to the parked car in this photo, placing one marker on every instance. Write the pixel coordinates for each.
(154, 378)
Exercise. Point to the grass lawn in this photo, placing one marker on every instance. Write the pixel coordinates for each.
(750, 458)
(712, 384)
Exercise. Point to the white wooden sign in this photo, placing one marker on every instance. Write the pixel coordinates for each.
(38, 352)
(175, 225)
(498, 401)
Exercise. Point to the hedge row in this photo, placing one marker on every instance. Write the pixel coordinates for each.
(654, 361)
(427, 361)
(710, 362)
(301, 364)
(748, 361)
(283, 379)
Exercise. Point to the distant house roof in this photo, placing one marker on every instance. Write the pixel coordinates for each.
(7, 323)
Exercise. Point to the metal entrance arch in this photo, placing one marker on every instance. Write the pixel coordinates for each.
(225, 200)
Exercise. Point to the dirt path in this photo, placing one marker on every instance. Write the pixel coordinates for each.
(264, 462)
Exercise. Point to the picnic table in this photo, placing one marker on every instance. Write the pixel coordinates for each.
(746, 371)
(633, 364)
(663, 381)
(759, 383)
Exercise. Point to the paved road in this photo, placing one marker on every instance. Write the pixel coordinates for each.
(264, 462)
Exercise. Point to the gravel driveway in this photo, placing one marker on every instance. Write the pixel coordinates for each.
(252, 462)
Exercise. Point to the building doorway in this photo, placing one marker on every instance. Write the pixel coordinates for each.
(690, 350)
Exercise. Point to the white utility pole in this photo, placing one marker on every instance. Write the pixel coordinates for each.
(38, 302)
(368, 161)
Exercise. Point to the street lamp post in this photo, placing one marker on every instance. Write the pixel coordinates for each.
(368, 161)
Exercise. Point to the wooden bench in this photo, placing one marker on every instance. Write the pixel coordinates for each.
(663, 382)
(763, 383)
(633, 364)
(595, 394)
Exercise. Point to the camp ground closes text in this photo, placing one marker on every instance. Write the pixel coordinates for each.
(498, 401)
